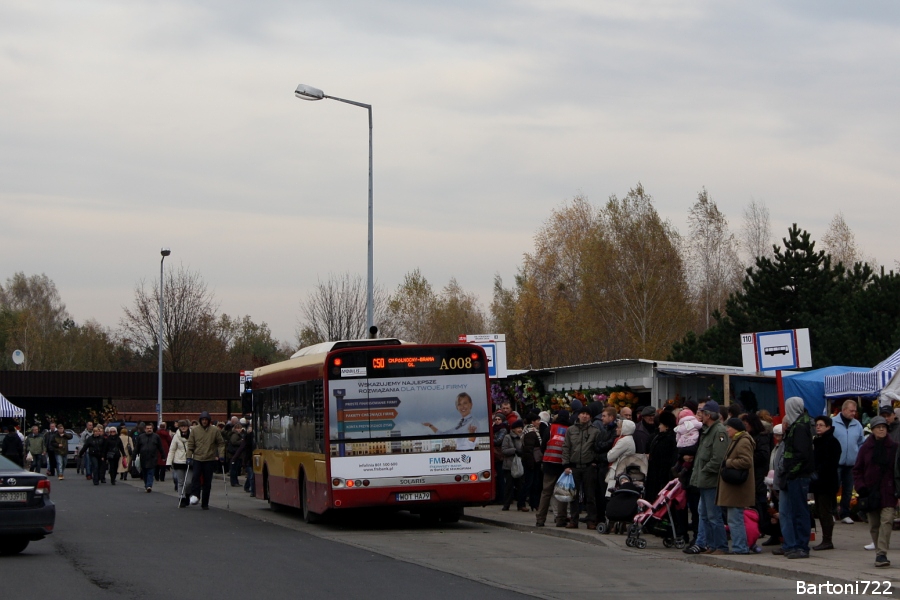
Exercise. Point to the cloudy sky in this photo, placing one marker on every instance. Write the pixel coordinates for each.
(127, 126)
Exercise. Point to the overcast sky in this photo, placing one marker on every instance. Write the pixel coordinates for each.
(127, 126)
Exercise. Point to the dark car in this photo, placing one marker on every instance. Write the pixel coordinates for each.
(26, 512)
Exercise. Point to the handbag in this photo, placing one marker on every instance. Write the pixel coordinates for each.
(731, 475)
(538, 455)
(517, 469)
(111, 456)
(137, 462)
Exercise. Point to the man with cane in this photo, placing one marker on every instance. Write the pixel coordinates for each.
(205, 449)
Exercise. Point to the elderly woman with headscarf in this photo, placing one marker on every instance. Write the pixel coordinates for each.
(877, 481)
(794, 474)
(622, 454)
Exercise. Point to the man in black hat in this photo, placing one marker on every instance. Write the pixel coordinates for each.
(645, 430)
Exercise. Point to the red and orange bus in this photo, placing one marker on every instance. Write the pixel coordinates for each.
(375, 423)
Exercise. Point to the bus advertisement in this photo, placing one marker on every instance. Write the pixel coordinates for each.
(375, 423)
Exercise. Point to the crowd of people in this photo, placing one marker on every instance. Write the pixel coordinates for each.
(743, 476)
(192, 450)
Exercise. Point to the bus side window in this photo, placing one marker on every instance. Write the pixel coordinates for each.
(258, 433)
(318, 406)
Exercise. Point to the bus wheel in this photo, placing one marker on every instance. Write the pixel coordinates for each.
(451, 515)
(429, 516)
(308, 515)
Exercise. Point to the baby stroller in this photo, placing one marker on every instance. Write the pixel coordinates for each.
(658, 513)
(623, 502)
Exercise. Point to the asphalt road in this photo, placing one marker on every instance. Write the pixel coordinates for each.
(113, 542)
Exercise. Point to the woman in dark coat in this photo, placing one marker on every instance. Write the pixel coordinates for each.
(763, 440)
(115, 450)
(95, 448)
(662, 457)
(827, 452)
(876, 483)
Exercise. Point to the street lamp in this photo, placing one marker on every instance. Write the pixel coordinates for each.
(307, 92)
(164, 252)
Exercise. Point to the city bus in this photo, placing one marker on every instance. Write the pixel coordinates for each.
(374, 423)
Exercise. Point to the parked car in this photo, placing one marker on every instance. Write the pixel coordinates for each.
(26, 512)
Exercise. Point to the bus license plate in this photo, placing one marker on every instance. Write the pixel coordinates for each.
(13, 497)
(412, 496)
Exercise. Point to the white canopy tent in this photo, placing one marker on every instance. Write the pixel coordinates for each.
(9, 410)
(867, 383)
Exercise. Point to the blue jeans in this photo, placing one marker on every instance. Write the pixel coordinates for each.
(711, 523)
(250, 482)
(148, 475)
(845, 476)
(61, 464)
(794, 515)
(738, 531)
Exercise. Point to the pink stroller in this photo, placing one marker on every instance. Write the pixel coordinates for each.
(659, 513)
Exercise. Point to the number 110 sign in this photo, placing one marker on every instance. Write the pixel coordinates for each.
(775, 350)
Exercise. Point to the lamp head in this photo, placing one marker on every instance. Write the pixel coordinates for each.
(165, 252)
(307, 92)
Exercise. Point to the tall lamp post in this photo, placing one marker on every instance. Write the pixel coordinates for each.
(306, 92)
(164, 252)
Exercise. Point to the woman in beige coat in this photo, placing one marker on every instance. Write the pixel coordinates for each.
(122, 469)
(737, 497)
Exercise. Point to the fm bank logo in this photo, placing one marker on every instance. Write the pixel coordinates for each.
(463, 459)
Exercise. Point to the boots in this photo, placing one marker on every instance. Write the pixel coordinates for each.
(825, 545)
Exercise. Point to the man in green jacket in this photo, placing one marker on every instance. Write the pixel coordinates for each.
(579, 456)
(205, 449)
(714, 441)
(36, 444)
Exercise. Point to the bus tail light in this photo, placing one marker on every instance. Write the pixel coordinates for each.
(485, 474)
(350, 483)
(473, 477)
(337, 482)
(458, 478)
(365, 483)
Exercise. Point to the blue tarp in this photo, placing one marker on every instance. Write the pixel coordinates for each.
(811, 387)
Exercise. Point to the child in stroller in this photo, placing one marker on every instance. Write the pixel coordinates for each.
(623, 503)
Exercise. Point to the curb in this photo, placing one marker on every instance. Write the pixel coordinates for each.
(710, 561)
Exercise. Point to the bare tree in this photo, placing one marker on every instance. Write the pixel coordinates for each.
(840, 242)
(756, 238)
(714, 268)
(191, 337)
(336, 310)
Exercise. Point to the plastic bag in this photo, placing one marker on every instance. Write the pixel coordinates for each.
(565, 488)
(517, 469)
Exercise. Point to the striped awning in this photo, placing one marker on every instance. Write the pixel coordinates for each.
(866, 383)
(8, 409)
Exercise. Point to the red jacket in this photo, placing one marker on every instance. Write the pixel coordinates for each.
(166, 439)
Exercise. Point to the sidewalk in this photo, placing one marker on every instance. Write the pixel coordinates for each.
(847, 563)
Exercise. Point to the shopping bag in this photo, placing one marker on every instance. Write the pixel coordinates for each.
(517, 469)
(565, 488)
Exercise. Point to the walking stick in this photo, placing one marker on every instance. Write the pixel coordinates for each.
(224, 481)
(183, 483)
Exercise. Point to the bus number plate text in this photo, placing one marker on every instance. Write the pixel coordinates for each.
(413, 496)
